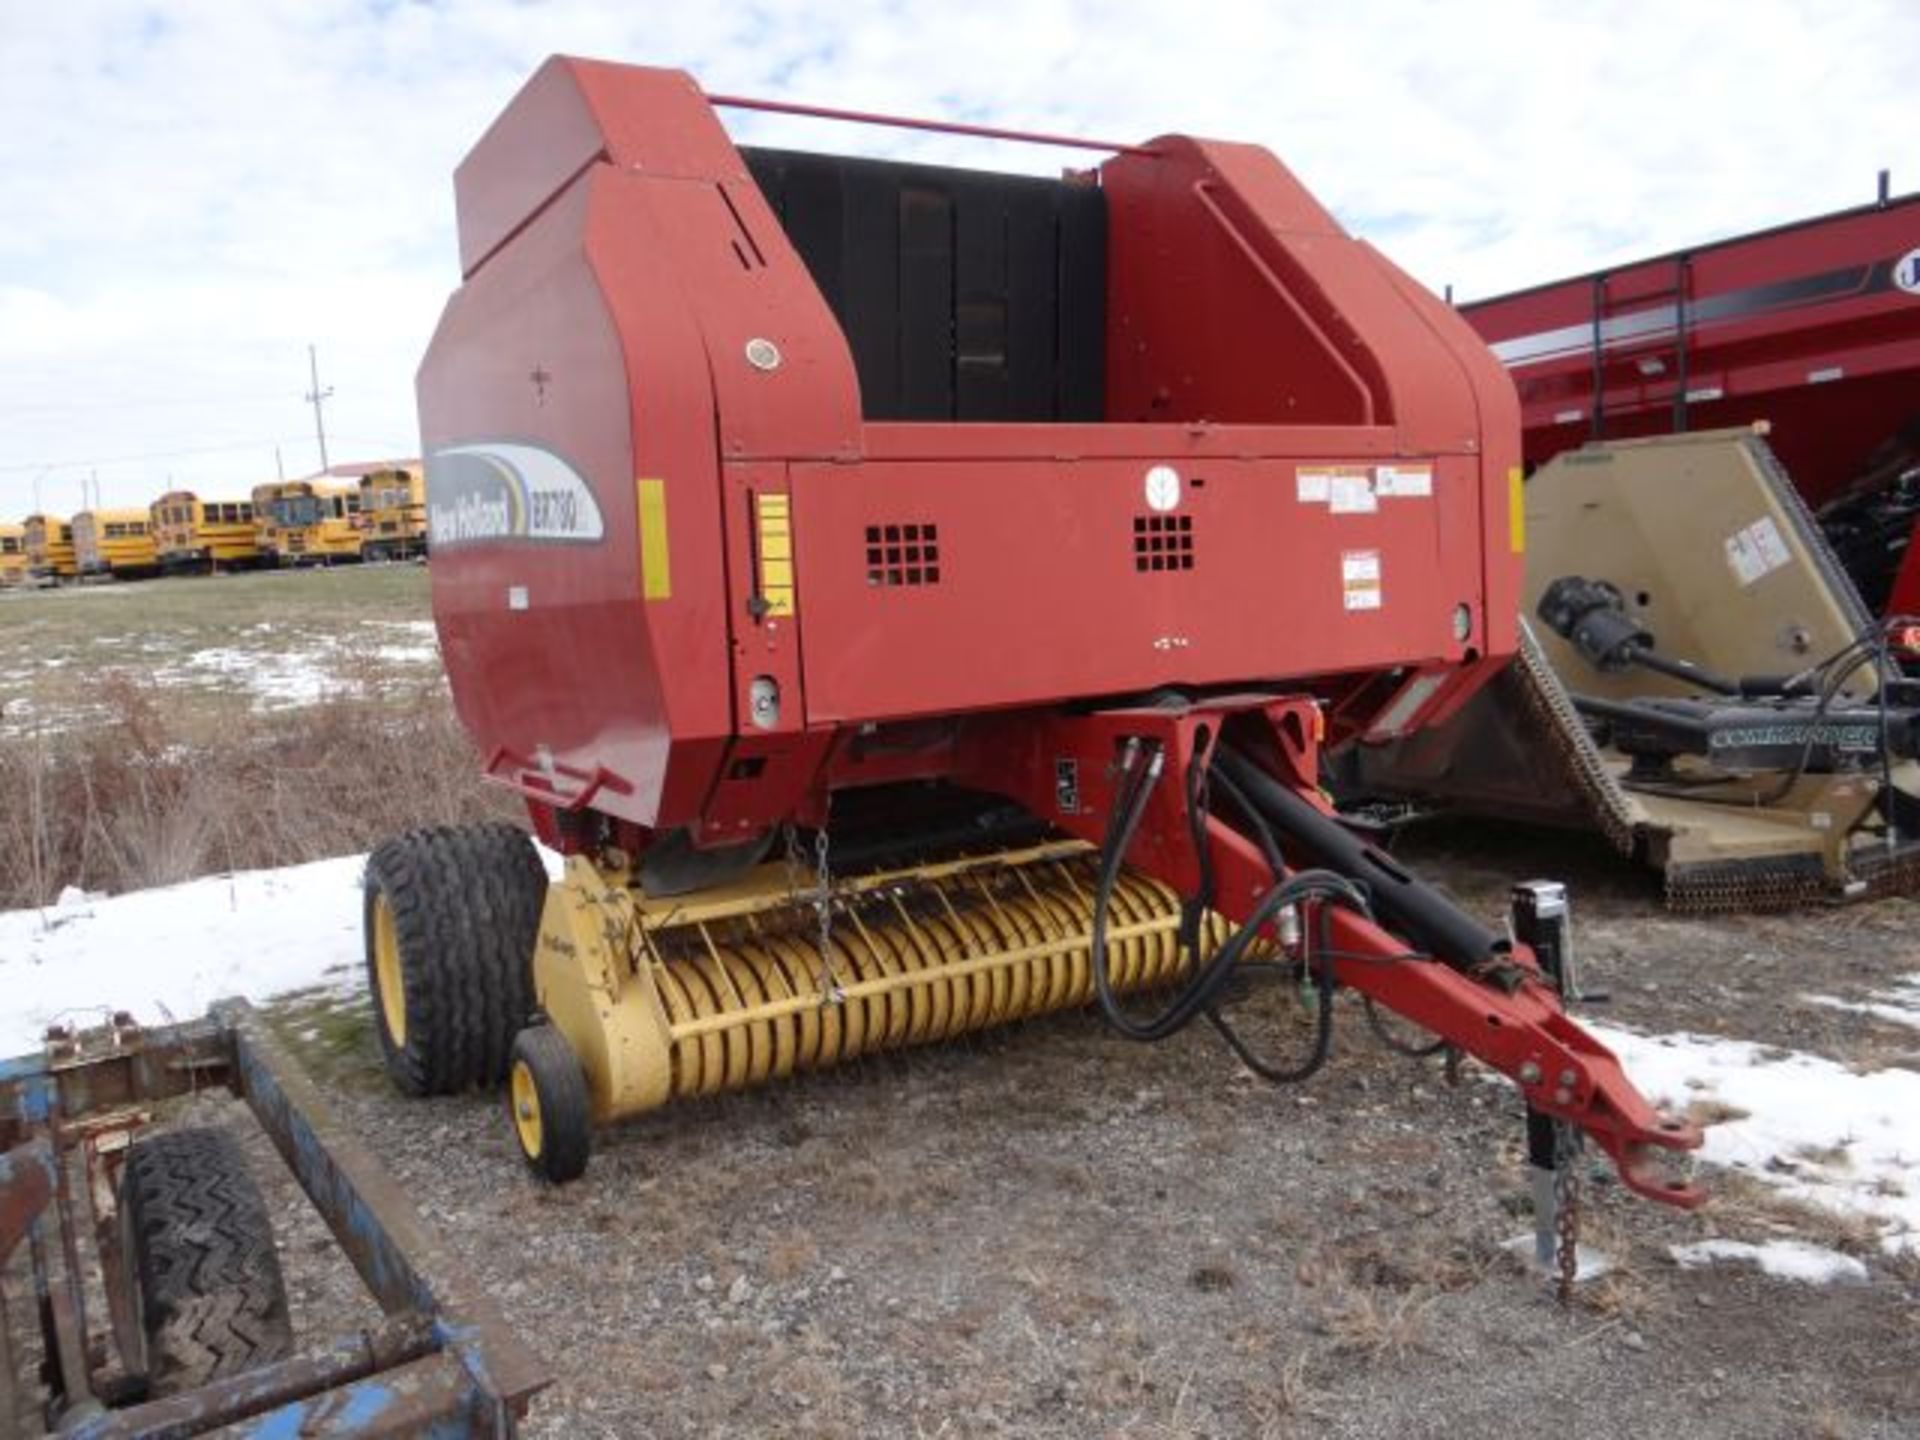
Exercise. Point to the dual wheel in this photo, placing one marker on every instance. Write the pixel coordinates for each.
(452, 915)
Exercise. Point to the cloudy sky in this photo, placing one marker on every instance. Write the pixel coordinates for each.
(193, 191)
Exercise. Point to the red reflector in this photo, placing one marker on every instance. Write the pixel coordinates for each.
(1905, 637)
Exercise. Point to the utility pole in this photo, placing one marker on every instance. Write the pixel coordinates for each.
(279, 465)
(316, 397)
(96, 489)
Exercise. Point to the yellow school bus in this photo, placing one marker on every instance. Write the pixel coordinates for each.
(50, 557)
(393, 513)
(200, 536)
(118, 543)
(13, 556)
(307, 522)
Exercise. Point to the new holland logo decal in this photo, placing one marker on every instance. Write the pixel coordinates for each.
(503, 490)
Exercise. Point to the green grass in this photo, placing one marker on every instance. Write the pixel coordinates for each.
(206, 646)
(331, 1035)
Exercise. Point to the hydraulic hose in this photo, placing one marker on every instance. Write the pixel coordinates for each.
(1428, 918)
(1207, 981)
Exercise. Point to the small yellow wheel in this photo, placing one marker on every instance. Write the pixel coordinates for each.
(548, 1105)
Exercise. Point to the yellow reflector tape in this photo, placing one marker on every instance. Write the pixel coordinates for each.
(1517, 509)
(776, 552)
(656, 574)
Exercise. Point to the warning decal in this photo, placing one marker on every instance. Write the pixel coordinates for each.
(1359, 489)
(1360, 579)
(1757, 550)
(1414, 482)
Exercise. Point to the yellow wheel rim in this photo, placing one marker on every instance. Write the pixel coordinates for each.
(526, 1109)
(386, 972)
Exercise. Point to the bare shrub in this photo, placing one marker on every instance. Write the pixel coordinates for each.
(145, 800)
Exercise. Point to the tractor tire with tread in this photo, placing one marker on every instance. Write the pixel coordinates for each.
(199, 1252)
(451, 916)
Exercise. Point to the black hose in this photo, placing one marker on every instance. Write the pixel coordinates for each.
(1833, 672)
(1208, 981)
(1432, 922)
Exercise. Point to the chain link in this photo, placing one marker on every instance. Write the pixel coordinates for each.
(1567, 1150)
(829, 984)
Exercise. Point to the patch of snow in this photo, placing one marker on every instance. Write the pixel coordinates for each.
(420, 629)
(1784, 1259)
(1813, 1129)
(169, 953)
(1901, 1004)
(408, 654)
(277, 680)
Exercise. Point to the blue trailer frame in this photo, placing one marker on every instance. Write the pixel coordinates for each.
(442, 1362)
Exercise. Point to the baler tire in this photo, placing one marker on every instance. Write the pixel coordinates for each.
(451, 915)
(548, 1105)
(198, 1252)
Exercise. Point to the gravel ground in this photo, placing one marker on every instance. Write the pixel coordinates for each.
(1050, 1231)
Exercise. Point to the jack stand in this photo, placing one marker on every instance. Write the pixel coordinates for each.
(1552, 1249)
(1541, 922)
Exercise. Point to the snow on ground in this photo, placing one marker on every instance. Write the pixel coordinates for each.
(169, 953)
(1901, 1004)
(306, 672)
(1813, 1129)
(277, 681)
(1785, 1259)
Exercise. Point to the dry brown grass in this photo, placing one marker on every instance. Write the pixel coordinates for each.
(1744, 1207)
(136, 802)
(1705, 1112)
(1358, 1314)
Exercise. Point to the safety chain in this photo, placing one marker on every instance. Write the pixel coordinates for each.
(1566, 1206)
(829, 983)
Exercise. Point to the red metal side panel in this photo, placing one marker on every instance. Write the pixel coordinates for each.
(1028, 587)
(561, 651)
(543, 139)
(1814, 327)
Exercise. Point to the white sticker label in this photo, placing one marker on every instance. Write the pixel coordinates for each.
(1413, 482)
(1360, 579)
(1315, 487)
(1757, 550)
(1352, 493)
(1163, 487)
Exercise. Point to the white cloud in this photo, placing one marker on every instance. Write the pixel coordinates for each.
(191, 192)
